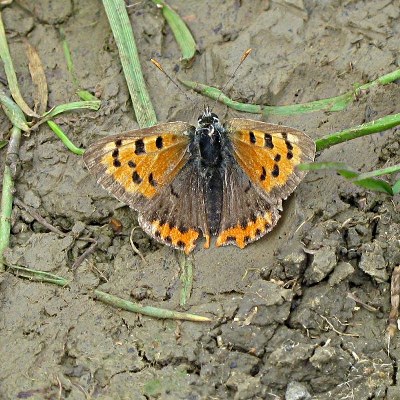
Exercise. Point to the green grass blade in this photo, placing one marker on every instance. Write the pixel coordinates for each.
(376, 185)
(10, 72)
(181, 32)
(146, 310)
(75, 105)
(64, 138)
(68, 58)
(378, 125)
(6, 210)
(122, 31)
(396, 188)
(38, 276)
(379, 172)
(86, 96)
(83, 94)
(13, 112)
(3, 143)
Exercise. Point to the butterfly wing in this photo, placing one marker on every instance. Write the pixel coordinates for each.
(177, 215)
(151, 170)
(246, 215)
(134, 165)
(269, 155)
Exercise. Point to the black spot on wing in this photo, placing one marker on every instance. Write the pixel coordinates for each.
(152, 180)
(139, 147)
(263, 175)
(136, 178)
(252, 137)
(115, 153)
(268, 141)
(275, 171)
(159, 142)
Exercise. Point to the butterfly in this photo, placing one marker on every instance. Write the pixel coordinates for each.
(224, 180)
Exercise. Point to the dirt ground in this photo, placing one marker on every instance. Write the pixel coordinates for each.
(288, 315)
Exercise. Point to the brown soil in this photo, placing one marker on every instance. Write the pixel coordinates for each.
(283, 323)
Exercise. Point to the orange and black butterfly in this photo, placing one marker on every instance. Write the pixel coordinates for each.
(217, 180)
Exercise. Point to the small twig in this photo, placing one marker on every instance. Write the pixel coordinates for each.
(134, 248)
(395, 301)
(146, 310)
(359, 301)
(335, 330)
(59, 387)
(38, 217)
(84, 255)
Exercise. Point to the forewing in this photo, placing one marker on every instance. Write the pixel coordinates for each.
(177, 215)
(246, 215)
(269, 155)
(134, 166)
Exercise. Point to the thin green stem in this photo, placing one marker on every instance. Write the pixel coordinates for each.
(6, 210)
(13, 112)
(378, 125)
(146, 310)
(38, 276)
(216, 94)
(64, 138)
(336, 103)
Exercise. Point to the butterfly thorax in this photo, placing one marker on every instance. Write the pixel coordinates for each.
(209, 134)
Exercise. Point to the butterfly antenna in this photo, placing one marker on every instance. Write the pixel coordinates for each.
(159, 66)
(244, 56)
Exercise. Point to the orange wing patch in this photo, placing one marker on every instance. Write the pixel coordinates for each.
(268, 158)
(242, 235)
(142, 164)
(183, 239)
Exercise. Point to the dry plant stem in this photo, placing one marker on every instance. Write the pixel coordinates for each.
(134, 248)
(39, 218)
(6, 210)
(395, 302)
(186, 277)
(10, 172)
(84, 255)
(359, 301)
(10, 72)
(146, 310)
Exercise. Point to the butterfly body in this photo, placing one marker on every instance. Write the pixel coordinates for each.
(211, 180)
